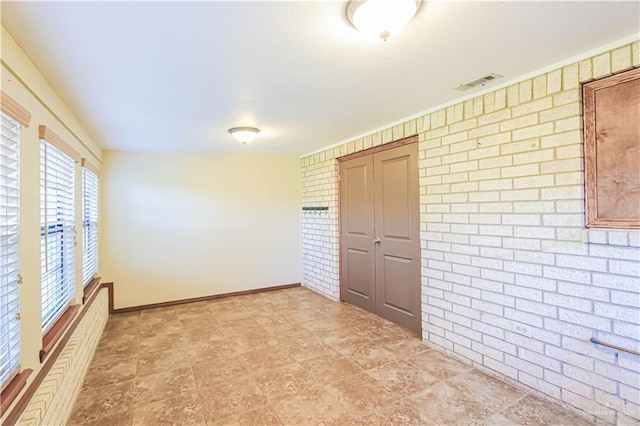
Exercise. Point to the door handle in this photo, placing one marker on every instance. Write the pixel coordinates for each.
(377, 241)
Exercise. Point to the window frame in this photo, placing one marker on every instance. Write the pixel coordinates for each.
(11, 388)
(89, 224)
(55, 330)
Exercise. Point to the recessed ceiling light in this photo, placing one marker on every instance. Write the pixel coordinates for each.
(244, 134)
(381, 17)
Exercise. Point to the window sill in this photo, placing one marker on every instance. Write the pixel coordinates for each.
(52, 336)
(90, 288)
(13, 389)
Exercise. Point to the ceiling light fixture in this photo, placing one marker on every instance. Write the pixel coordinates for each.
(381, 17)
(244, 134)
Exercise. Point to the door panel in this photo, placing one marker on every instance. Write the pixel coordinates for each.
(356, 231)
(395, 198)
(397, 225)
(357, 207)
(397, 278)
(358, 264)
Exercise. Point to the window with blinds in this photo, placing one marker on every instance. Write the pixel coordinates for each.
(9, 250)
(57, 233)
(89, 225)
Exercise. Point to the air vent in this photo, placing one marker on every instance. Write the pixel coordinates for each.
(479, 82)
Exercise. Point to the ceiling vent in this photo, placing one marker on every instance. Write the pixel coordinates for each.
(479, 82)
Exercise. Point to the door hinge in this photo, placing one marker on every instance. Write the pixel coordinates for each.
(18, 317)
(19, 279)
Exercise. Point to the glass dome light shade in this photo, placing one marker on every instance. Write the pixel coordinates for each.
(244, 134)
(381, 17)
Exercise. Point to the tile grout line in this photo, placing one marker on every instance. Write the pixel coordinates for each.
(266, 313)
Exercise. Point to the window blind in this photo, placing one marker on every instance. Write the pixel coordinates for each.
(57, 233)
(89, 225)
(9, 250)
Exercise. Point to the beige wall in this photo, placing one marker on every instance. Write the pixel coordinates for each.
(21, 80)
(177, 226)
(504, 246)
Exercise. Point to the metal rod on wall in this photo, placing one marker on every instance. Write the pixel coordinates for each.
(619, 348)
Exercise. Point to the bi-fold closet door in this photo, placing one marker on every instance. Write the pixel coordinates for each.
(379, 227)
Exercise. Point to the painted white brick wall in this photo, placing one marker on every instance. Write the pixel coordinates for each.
(53, 401)
(504, 244)
(320, 255)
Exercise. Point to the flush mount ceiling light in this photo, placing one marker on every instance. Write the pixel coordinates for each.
(244, 134)
(381, 17)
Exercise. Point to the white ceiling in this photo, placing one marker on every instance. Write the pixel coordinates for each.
(174, 76)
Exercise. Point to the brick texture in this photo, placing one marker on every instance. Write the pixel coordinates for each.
(53, 401)
(504, 243)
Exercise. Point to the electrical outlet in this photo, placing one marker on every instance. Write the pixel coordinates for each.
(523, 329)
